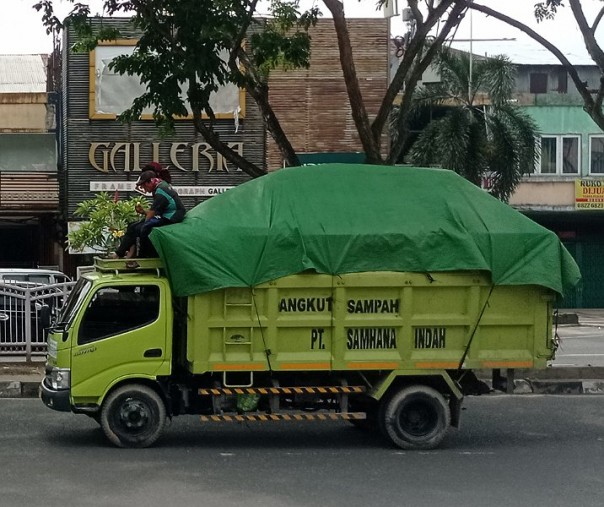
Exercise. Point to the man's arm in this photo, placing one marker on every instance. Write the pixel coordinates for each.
(149, 213)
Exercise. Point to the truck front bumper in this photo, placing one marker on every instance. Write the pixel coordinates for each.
(55, 399)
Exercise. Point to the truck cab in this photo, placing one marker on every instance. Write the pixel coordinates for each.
(116, 326)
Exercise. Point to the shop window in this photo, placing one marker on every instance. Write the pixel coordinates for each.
(596, 155)
(25, 152)
(538, 83)
(562, 81)
(112, 93)
(559, 155)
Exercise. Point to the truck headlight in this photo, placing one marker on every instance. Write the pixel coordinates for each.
(60, 378)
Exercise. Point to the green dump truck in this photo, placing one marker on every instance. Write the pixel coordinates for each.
(333, 292)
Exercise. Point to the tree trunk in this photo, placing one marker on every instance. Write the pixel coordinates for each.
(359, 113)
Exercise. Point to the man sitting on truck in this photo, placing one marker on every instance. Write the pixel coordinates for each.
(167, 208)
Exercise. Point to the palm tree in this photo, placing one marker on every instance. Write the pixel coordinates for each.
(479, 132)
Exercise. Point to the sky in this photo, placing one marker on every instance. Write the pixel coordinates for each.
(22, 32)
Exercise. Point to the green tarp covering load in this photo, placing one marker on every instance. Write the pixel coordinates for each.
(346, 218)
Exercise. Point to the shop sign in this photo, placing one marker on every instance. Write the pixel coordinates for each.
(589, 194)
(109, 158)
(129, 186)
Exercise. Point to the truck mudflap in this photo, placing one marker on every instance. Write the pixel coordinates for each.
(55, 399)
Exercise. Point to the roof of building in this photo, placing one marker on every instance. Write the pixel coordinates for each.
(524, 52)
(23, 73)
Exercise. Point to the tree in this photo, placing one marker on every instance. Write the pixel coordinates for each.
(180, 48)
(481, 132)
(439, 16)
(592, 99)
(106, 221)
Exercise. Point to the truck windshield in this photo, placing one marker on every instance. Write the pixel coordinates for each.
(74, 301)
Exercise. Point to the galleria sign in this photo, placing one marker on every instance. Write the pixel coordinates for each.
(114, 157)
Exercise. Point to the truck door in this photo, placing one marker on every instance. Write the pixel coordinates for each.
(121, 333)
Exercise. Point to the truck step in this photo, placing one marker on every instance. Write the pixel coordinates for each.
(282, 390)
(296, 416)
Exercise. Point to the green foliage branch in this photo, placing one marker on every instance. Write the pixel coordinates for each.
(105, 222)
(481, 133)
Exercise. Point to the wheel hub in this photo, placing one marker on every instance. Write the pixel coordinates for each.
(418, 420)
(134, 414)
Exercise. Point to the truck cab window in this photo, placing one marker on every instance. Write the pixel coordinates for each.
(118, 309)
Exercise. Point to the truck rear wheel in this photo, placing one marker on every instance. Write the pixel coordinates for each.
(133, 416)
(416, 417)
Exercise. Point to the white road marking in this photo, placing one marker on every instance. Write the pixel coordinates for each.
(578, 355)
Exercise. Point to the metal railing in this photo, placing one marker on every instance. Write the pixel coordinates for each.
(20, 302)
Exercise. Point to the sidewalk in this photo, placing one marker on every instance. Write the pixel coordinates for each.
(590, 317)
(22, 380)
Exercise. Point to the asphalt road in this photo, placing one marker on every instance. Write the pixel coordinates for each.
(511, 450)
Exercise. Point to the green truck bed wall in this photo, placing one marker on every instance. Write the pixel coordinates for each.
(370, 321)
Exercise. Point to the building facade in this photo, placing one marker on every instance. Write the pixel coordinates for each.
(566, 191)
(102, 154)
(30, 230)
(312, 104)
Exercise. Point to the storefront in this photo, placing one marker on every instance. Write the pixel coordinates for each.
(574, 209)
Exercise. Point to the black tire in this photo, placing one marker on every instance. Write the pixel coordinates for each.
(416, 417)
(133, 416)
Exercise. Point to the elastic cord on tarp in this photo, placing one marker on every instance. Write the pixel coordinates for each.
(267, 351)
(484, 307)
(556, 339)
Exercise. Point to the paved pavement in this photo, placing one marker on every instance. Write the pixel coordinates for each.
(586, 316)
(571, 373)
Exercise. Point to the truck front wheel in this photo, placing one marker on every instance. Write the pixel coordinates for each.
(416, 417)
(133, 416)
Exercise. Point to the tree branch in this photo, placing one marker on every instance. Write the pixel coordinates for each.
(259, 92)
(597, 20)
(456, 15)
(415, 48)
(591, 44)
(232, 156)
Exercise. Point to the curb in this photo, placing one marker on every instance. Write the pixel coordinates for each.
(566, 386)
(567, 319)
(19, 389)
